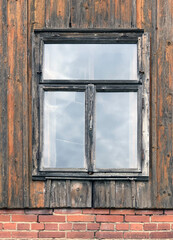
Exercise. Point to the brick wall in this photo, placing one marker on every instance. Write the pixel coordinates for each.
(86, 224)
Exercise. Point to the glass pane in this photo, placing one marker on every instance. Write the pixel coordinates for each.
(64, 118)
(90, 61)
(116, 130)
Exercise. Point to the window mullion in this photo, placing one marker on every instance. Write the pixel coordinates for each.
(90, 119)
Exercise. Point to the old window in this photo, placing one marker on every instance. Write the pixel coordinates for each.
(90, 104)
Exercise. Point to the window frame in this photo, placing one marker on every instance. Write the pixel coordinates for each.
(141, 86)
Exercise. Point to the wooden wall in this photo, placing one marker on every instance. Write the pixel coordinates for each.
(17, 21)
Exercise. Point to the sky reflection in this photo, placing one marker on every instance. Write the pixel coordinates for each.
(90, 61)
(64, 118)
(116, 130)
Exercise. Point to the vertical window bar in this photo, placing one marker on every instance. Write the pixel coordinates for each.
(90, 122)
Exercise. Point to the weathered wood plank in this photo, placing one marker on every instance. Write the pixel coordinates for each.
(165, 100)
(143, 195)
(99, 194)
(57, 13)
(144, 21)
(58, 194)
(123, 195)
(3, 105)
(81, 14)
(36, 19)
(153, 111)
(17, 61)
(117, 15)
(114, 194)
(81, 194)
(126, 13)
(103, 13)
(39, 11)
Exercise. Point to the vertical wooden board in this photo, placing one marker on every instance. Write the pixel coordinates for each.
(17, 61)
(36, 19)
(143, 195)
(81, 14)
(104, 12)
(101, 194)
(117, 14)
(148, 23)
(112, 194)
(153, 111)
(37, 194)
(144, 14)
(38, 8)
(81, 194)
(58, 194)
(57, 13)
(3, 104)
(165, 120)
(126, 13)
(133, 13)
(123, 194)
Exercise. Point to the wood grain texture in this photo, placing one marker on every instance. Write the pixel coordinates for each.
(3, 105)
(81, 14)
(66, 193)
(164, 109)
(17, 78)
(57, 13)
(36, 19)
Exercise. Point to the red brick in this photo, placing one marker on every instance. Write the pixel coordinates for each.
(9, 226)
(5, 234)
(79, 226)
(149, 212)
(51, 226)
(161, 235)
(165, 218)
(80, 218)
(107, 226)
(169, 212)
(24, 218)
(8, 211)
(122, 211)
(4, 218)
(23, 226)
(93, 226)
(38, 211)
(136, 235)
(65, 226)
(150, 227)
(110, 235)
(135, 218)
(136, 227)
(109, 218)
(67, 211)
(24, 234)
(122, 227)
(51, 218)
(83, 235)
(37, 226)
(96, 211)
(51, 234)
(163, 226)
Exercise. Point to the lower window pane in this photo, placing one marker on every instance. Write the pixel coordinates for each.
(116, 130)
(63, 130)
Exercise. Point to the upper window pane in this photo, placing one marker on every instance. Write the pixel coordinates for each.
(90, 62)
